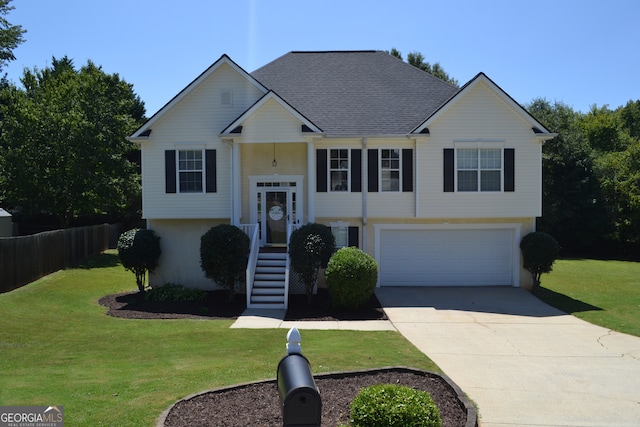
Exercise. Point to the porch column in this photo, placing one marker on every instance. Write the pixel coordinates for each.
(236, 181)
(311, 182)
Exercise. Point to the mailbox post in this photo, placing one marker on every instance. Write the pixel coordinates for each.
(299, 395)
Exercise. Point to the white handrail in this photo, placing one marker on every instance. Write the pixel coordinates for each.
(252, 231)
(287, 267)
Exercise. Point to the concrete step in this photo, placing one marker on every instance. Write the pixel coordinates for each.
(269, 277)
(281, 263)
(268, 291)
(267, 299)
(268, 305)
(262, 269)
(272, 255)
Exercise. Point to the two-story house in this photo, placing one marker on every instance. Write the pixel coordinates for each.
(438, 183)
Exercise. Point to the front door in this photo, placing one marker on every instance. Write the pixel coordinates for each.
(276, 203)
(276, 214)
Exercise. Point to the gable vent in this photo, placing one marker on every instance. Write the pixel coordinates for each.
(226, 98)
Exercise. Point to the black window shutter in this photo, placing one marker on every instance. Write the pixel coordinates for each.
(210, 164)
(449, 173)
(407, 170)
(354, 238)
(356, 170)
(170, 171)
(372, 163)
(509, 169)
(321, 171)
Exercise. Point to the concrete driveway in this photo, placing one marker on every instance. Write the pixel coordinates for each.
(523, 362)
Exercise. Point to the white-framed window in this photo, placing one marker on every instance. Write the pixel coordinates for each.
(340, 231)
(390, 169)
(190, 171)
(479, 169)
(339, 169)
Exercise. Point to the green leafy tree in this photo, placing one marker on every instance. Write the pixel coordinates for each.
(224, 253)
(11, 36)
(139, 251)
(574, 209)
(539, 251)
(64, 142)
(417, 60)
(310, 247)
(630, 118)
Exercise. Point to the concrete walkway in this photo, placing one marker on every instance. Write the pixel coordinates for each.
(523, 362)
(271, 319)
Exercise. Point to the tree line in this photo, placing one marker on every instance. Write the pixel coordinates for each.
(591, 178)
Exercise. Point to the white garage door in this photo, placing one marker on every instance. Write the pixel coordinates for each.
(446, 257)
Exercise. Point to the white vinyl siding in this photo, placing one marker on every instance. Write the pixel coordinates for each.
(196, 121)
(479, 120)
(271, 123)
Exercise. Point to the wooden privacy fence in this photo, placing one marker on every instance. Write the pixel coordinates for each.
(28, 258)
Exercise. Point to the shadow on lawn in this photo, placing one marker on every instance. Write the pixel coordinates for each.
(103, 260)
(564, 302)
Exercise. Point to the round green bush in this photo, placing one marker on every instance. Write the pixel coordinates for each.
(139, 251)
(310, 248)
(351, 278)
(539, 252)
(393, 405)
(224, 252)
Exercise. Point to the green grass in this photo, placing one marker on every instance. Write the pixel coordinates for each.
(57, 347)
(606, 293)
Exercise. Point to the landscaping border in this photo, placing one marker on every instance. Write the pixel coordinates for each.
(465, 403)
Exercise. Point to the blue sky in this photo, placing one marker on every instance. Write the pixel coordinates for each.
(578, 52)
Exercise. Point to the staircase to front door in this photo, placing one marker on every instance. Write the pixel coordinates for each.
(269, 281)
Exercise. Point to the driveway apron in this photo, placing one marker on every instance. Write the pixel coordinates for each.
(523, 362)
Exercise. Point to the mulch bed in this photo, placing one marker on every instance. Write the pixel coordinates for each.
(257, 404)
(217, 306)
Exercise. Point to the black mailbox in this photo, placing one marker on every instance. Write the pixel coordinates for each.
(299, 395)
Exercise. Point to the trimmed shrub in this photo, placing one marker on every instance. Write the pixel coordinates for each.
(173, 292)
(392, 405)
(310, 247)
(539, 252)
(139, 251)
(224, 252)
(351, 278)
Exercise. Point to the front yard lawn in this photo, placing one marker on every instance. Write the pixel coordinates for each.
(606, 293)
(57, 347)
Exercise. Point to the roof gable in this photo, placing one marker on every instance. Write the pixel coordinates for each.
(355, 92)
(270, 96)
(536, 126)
(144, 130)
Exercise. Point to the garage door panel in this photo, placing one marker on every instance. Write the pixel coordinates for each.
(464, 257)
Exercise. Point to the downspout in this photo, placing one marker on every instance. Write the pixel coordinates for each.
(235, 183)
(365, 174)
(415, 169)
(311, 183)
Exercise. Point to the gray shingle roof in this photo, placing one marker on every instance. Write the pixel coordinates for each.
(355, 92)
